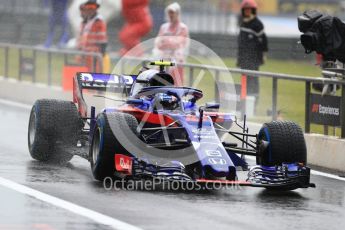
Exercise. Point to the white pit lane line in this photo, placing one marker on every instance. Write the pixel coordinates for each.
(81, 211)
(332, 176)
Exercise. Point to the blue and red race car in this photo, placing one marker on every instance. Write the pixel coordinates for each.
(160, 131)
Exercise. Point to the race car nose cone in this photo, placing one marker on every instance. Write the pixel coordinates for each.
(216, 161)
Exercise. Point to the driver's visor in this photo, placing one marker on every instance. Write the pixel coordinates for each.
(142, 81)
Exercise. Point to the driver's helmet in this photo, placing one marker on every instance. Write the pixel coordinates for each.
(151, 77)
(166, 102)
(143, 80)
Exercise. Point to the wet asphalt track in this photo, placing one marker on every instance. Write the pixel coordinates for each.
(245, 208)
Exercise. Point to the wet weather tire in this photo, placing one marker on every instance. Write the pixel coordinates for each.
(105, 145)
(281, 142)
(54, 128)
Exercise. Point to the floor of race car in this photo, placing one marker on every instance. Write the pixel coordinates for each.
(241, 208)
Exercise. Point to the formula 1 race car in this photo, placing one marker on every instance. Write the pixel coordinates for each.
(159, 131)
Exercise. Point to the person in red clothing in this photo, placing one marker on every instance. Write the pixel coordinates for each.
(138, 22)
(93, 33)
(172, 41)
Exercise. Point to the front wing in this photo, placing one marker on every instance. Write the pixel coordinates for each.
(285, 177)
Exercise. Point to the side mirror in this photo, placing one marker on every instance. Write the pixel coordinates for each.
(212, 105)
(135, 102)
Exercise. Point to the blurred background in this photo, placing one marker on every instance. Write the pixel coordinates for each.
(212, 22)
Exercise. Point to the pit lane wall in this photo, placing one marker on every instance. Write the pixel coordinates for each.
(326, 152)
(323, 151)
(28, 93)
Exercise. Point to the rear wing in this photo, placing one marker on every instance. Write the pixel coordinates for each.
(101, 82)
(104, 82)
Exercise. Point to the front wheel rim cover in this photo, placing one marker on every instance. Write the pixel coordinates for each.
(96, 146)
(32, 128)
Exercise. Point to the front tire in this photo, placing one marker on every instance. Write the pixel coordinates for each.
(281, 142)
(53, 132)
(105, 145)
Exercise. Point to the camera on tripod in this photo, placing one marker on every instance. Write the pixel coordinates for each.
(325, 35)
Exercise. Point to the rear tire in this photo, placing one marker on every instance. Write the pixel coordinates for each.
(54, 128)
(105, 145)
(281, 142)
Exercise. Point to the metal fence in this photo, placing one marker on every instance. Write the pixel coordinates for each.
(191, 70)
(38, 64)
